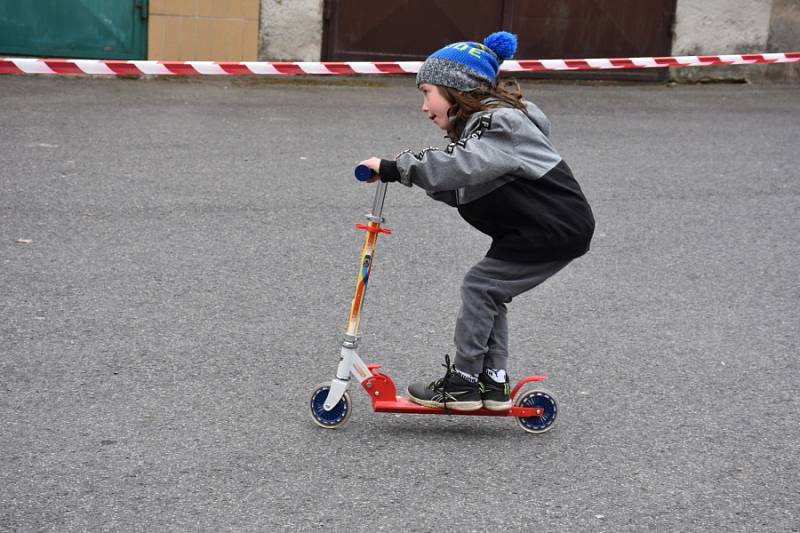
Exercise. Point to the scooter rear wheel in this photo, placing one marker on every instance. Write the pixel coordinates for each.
(336, 417)
(537, 398)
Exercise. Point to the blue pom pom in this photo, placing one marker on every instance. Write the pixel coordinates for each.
(503, 44)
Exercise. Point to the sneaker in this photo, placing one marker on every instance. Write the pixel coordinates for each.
(496, 396)
(450, 392)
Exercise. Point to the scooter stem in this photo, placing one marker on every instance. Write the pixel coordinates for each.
(377, 203)
(373, 229)
(350, 362)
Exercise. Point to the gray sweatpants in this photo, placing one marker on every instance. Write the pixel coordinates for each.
(481, 335)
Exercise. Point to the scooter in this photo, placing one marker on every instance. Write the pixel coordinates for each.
(535, 409)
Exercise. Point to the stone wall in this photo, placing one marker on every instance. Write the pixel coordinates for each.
(784, 36)
(734, 27)
(291, 30)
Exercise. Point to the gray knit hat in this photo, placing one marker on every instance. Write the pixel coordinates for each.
(467, 65)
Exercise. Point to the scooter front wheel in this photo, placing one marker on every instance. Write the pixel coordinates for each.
(543, 399)
(336, 417)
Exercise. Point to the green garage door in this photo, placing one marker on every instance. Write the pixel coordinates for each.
(101, 29)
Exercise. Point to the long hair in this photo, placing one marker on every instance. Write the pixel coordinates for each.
(465, 104)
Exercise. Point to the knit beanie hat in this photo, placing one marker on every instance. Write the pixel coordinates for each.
(467, 65)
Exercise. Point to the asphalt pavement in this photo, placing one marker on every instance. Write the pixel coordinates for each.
(177, 259)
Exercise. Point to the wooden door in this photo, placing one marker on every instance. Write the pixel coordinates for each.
(407, 30)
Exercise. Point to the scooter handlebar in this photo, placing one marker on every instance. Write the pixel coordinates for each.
(363, 173)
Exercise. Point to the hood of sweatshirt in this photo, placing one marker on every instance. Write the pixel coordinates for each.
(538, 117)
(532, 111)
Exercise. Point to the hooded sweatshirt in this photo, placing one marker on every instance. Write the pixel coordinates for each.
(507, 180)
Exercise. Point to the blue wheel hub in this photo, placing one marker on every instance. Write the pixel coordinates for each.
(328, 418)
(541, 400)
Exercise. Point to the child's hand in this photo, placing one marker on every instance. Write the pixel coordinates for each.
(374, 164)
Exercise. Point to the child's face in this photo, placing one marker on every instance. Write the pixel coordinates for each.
(435, 105)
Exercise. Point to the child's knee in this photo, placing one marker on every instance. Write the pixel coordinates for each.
(476, 290)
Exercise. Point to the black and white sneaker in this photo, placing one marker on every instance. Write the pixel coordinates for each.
(496, 396)
(453, 391)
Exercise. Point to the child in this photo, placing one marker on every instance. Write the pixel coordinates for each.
(506, 179)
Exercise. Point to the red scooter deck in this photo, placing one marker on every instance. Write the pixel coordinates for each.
(383, 393)
(401, 404)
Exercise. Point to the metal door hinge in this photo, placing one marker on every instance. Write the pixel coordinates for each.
(141, 6)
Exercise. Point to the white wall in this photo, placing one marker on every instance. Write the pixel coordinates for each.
(721, 26)
(734, 27)
(291, 30)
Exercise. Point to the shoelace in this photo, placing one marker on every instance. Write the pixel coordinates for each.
(441, 384)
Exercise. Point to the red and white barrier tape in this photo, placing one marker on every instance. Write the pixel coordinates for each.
(94, 67)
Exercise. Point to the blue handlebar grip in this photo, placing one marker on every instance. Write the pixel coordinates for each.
(363, 173)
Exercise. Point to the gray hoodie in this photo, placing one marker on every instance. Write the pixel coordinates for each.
(508, 181)
(497, 147)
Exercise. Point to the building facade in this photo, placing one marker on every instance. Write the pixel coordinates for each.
(343, 30)
(696, 27)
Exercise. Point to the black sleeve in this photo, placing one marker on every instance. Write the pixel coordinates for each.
(388, 171)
